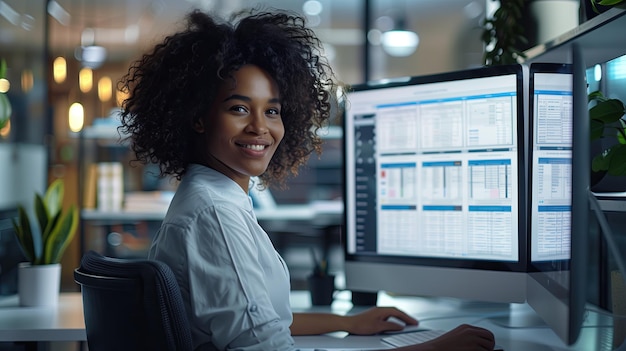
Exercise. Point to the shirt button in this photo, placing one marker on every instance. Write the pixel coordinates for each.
(253, 308)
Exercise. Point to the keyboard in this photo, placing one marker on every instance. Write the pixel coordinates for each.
(417, 337)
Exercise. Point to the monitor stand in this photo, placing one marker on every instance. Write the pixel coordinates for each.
(519, 316)
(361, 298)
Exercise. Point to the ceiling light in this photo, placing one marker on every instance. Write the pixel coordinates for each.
(92, 56)
(399, 42)
(59, 69)
(76, 117)
(312, 8)
(105, 90)
(89, 54)
(4, 85)
(85, 79)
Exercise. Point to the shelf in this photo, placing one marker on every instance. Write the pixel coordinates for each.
(599, 38)
(322, 213)
(612, 202)
(122, 216)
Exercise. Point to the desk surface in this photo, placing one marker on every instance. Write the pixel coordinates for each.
(62, 323)
(447, 313)
(318, 212)
(65, 323)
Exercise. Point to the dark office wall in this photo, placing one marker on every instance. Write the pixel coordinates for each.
(10, 254)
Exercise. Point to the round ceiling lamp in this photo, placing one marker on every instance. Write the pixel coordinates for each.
(90, 55)
(400, 42)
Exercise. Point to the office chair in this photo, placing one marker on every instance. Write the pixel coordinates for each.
(131, 305)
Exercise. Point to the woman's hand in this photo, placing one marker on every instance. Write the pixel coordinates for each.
(375, 320)
(462, 338)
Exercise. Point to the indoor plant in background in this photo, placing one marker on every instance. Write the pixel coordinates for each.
(44, 245)
(5, 104)
(608, 135)
(504, 34)
(518, 25)
(595, 7)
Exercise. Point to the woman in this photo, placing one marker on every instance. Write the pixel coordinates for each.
(215, 105)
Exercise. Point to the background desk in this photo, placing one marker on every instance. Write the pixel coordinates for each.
(316, 219)
(41, 325)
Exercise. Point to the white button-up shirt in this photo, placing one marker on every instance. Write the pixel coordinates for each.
(234, 283)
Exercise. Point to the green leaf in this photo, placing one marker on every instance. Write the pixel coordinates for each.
(617, 160)
(54, 205)
(608, 111)
(3, 68)
(52, 223)
(60, 236)
(621, 132)
(596, 96)
(5, 110)
(596, 129)
(600, 163)
(58, 228)
(25, 235)
(54, 197)
(593, 5)
(609, 2)
(41, 212)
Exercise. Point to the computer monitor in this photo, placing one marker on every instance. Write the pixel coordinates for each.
(435, 186)
(559, 208)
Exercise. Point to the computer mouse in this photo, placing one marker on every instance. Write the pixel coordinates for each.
(407, 328)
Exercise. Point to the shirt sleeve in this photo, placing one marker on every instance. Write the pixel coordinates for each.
(228, 298)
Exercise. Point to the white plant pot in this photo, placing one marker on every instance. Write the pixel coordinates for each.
(38, 285)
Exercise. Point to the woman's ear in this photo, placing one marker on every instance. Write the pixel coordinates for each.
(198, 126)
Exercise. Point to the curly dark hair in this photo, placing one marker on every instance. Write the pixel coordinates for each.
(173, 86)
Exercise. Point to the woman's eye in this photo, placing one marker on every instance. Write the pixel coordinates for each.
(238, 109)
(273, 111)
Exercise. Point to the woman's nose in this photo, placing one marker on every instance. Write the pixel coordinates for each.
(258, 124)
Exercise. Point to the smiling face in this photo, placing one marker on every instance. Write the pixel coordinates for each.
(243, 127)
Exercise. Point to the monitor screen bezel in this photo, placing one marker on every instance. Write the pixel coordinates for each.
(563, 308)
(369, 261)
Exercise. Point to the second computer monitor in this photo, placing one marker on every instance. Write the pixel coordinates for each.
(559, 185)
(435, 185)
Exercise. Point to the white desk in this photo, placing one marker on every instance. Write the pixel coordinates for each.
(30, 324)
(445, 313)
(65, 323)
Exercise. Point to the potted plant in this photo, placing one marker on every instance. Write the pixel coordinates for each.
(44, 245)
(518, 25)
(607, 126)
(503, 34)
(599, 6)
(5, 105)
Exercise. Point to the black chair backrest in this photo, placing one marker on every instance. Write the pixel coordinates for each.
(131, 304)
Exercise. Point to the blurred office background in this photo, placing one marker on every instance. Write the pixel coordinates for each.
(67, 55)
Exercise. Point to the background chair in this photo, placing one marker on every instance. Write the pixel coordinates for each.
(131, 305)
